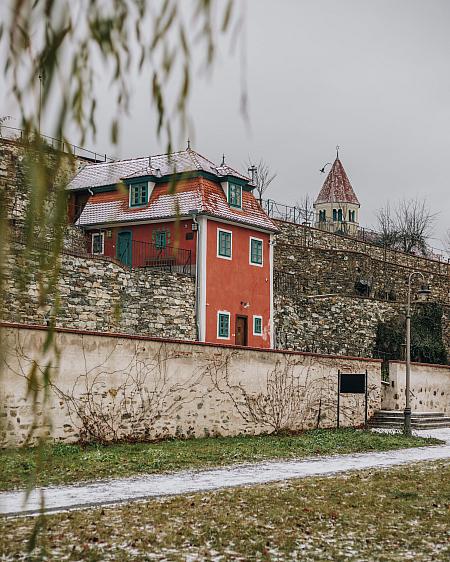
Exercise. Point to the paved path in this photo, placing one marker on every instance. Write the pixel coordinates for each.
(106, 492)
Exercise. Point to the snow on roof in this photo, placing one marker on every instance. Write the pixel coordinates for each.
(199, 193)
(111, 173)
(337, 187)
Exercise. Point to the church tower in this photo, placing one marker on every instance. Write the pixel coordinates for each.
(336, 206)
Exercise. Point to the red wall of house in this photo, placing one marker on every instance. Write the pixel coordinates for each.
(230, 282)
(144, 233)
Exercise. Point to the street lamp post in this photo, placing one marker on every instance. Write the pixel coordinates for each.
(424, 291)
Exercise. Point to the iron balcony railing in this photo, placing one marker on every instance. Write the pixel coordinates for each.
(135, 254)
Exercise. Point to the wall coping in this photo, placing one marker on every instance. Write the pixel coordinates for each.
(432, 365)
(40, 327)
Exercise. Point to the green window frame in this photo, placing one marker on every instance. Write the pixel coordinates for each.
(257, 325)
(138, 194)
(223, 325)
(161, 239)
(235, 195)
(224, 243)
(256, 251)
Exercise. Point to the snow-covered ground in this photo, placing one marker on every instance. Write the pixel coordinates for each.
(106, 492)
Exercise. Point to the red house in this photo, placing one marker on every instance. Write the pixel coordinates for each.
(183, 212)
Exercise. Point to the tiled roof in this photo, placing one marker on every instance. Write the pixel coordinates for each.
(197, 193)
(337, 187)
(110, 173)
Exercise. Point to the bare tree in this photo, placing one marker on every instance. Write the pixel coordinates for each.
(406, 227)
(305, 207)
(262, 176)
(447, 242)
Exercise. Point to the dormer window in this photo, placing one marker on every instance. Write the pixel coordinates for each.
(235, 195)
(138, 194)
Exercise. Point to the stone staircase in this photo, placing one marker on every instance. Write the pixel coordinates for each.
(393, 419)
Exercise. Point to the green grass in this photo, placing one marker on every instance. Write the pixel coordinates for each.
(73, 463)
(379, 515)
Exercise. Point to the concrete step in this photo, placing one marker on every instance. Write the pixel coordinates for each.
(400, 414)
(389, 419)
(419, 420)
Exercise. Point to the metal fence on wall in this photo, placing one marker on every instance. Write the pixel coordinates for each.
(16, 134)
(306, 218)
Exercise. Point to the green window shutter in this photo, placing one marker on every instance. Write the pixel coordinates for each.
(223, 326)
(257, 325)
(225, 244)
(256, 252)
(235, 195)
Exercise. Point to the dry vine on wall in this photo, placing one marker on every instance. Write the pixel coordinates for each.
(293, 397)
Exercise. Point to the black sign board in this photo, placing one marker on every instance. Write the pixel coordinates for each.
(353, 383)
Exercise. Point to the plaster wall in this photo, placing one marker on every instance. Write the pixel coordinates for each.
(142, 388)
(430, 388)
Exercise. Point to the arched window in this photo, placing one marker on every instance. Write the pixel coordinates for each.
(322, 216)
(334, 215)
(340, 215)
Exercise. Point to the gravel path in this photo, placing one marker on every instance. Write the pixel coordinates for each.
(62, 498)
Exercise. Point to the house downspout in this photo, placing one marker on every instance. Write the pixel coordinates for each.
(197, 272)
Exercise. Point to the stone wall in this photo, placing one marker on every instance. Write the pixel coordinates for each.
(430, 388)
(118, 387)
(98, 294)
(320, 270)
(299, 235)
(331, 291)
(15, 158)
(330, 324)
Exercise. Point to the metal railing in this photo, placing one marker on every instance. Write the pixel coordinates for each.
(15, 134)
(306, 218)
(136, 254)
(287, 213)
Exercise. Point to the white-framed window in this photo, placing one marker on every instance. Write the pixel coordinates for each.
(98, 243)
(235, 195)
(138, 194)
(256, 251)
(224, 244)
(257, 326)
(223, 325)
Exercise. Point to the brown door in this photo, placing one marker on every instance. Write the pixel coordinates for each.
(241, 330)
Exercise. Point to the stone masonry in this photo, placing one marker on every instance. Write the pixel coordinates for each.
(97, 294)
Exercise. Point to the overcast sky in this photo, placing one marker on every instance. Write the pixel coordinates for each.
(370, 75)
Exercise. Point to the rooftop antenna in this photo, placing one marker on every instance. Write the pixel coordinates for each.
(189, 144)
(223, 160)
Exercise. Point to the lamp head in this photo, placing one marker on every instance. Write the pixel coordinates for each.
(424, 292)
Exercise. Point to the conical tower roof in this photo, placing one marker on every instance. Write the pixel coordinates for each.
(337, 187)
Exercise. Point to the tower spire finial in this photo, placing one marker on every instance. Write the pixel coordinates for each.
(337, 151)
(189, 144)
(223, 160)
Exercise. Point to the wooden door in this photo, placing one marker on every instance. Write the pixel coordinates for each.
(241, 330)
(124, 252)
